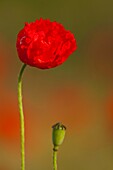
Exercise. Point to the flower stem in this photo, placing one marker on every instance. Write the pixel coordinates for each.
(54, 159)
(21, 117)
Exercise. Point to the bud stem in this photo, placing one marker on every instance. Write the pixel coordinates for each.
(54, 160)
(22, 133)
(58, 134)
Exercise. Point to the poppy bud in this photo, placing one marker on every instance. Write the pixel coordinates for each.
(58, 135)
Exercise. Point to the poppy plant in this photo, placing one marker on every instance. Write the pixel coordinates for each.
(42, 44)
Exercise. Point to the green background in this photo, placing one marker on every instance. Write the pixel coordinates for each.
(78, 93)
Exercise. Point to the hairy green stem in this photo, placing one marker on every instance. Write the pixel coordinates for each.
(54, 159)
(22, 133)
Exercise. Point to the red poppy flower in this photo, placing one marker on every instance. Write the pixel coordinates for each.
(45, 44)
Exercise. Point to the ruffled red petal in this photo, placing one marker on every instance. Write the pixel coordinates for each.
(45, 44)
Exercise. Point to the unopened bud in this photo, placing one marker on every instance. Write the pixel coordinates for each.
(58, 135)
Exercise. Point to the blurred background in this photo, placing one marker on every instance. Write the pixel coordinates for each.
(78, 93)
